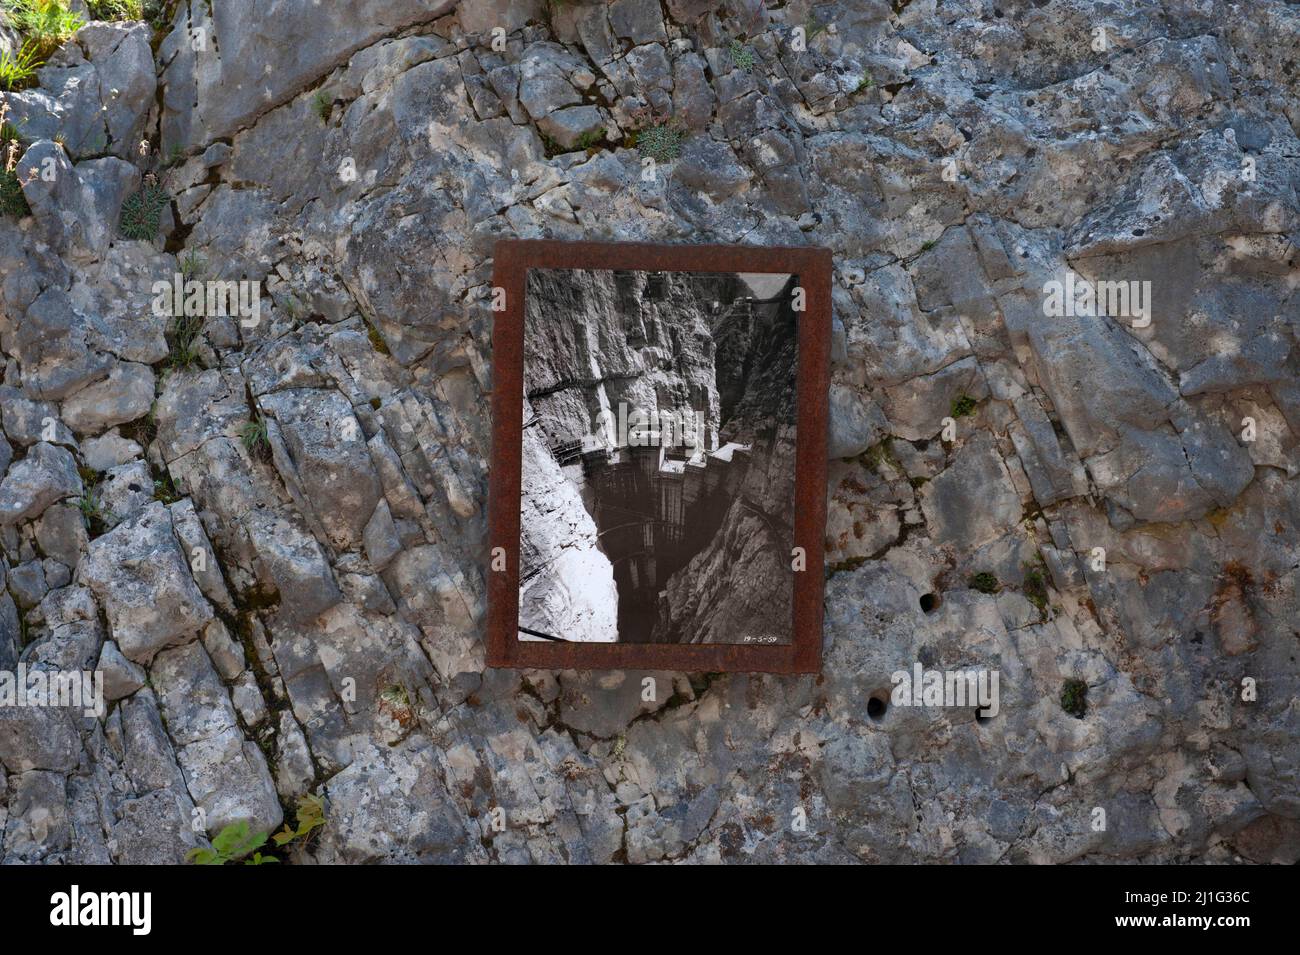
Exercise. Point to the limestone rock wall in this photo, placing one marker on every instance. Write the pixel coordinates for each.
(1095, 512)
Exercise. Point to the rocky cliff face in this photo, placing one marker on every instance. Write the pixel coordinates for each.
(1109, 517)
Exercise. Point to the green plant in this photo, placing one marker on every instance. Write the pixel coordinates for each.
(256, 439)
(12, 200)
(293, 309)
(377, 340)
(231, 844)
(963, 405)
(93, 511)
(985, 582)
(588, 139)
(184, 341)
(142, 212)
(45, 23)
(865, 82)
(310, 817)
(238, 841)
(662, 142)
(1074, 698)
(741, 55)
(1035, 588)
(192, 265)
(321, 104)
(164, 489)
(158, 13)
(116, 9)
(18, 69)
(880, 454)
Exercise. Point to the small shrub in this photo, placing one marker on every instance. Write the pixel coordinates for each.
(1074, 698)
(17, 70)
(963, 405)
(254, 435)
(741, 55)
(662, 143)
(985, 582)
(142, 213)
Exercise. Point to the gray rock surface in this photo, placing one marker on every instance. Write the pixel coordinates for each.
(1132, 487)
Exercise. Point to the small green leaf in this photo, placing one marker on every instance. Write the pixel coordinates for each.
(229, 837)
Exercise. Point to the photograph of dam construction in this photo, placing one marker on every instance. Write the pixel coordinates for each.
(658, 460)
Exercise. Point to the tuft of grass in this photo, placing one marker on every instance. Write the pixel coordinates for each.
(12, 201)
(864, 83)
(322, 104)
(18, 70)
(1035, 588)
(184, 339)
(192, 265)
(47, 24)
(377, 340)
(1074, 698)
(662, 143)
(255, 438)
(142, 213)
(985, 582)
(93, 512)
(963, 405)
(741, 55)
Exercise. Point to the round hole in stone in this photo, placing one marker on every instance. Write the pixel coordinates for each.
(876, 707)
(930, 602)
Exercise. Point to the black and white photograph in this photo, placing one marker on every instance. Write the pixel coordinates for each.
(658, 457)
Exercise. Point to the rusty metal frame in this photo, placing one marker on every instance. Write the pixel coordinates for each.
(513, 259)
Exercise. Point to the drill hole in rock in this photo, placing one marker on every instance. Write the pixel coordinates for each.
(930, 602)
(877, 706)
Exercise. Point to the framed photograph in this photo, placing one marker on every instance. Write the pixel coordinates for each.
(658, 479)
